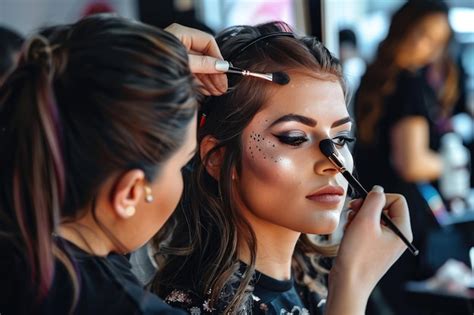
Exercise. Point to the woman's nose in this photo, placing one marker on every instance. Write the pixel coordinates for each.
(322, 165)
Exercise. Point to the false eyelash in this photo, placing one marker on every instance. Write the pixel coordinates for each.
(345, 140)
(292, 140)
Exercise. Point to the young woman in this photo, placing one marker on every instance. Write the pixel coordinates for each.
(95, 125)
(400, 123)
(260, 185)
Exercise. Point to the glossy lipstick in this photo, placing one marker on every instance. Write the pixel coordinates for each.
(327, 194)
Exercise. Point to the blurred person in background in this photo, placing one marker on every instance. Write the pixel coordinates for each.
(10, 45)
(447, 77)
(353, 65)
(397, 115)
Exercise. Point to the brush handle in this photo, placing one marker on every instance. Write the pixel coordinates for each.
(265, 76)
(363, 192)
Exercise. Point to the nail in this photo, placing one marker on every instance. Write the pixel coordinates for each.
(377, 188)
(222, 65)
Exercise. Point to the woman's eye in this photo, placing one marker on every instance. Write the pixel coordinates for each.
(292, 140)
(342, 140)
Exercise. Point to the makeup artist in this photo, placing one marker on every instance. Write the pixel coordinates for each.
(397, 118)
(260, 194)
(96, 123)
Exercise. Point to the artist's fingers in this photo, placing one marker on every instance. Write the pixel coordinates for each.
(208, 84)
(355, 204)
(202, 64)
(219, 81)
(202, 88)
(354, 207)
(195, 40)
(203, 53)
(216, 81)
(396, 209)
(381, 221)
(372, 206)
(349, 217)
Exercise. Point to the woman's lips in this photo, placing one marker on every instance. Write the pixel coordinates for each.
(327, 195)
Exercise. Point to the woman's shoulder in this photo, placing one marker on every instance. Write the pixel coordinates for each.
(16, 290)
(105, 285)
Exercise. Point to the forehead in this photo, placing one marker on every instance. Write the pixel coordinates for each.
(322, 100)
(436, 24)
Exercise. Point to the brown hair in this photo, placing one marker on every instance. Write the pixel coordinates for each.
(203, 255)
(379, 80)
(100, 96)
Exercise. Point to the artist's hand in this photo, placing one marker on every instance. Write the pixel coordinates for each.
(203, 53)
(367, 250)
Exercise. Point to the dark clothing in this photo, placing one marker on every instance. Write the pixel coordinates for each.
(106, 286)
(283, 297)
(373, 163)
(269, 297)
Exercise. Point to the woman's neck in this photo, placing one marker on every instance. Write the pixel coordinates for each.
(275, 247)
(87, 235)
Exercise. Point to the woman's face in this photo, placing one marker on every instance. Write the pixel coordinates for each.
(285, 179)
(426, 42)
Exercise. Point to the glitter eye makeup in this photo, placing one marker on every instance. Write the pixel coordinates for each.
(262, 146)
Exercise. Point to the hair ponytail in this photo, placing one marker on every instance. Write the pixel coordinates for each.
(33, 180)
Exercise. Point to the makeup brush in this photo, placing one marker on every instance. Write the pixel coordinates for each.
(279, 77)
(328, 149)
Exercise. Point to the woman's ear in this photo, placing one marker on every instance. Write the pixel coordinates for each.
(214, 161)
(128, 192)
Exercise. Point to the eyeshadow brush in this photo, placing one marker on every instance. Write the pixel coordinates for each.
(328, 149)
(278, 77)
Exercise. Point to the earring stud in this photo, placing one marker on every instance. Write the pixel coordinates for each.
(148, 196)
(130, 211)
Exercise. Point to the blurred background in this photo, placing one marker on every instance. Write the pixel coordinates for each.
(366, 20)
(442, 279)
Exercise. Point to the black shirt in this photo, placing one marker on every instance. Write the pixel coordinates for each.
(277, 297)
(107, 286)
(412, 97)
(270, 296)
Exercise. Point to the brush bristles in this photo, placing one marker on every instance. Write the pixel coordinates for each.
(327, 147)
(281, 78)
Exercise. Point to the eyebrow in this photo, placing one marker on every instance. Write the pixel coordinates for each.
(309, 121)
(294, 117)
(341, 122)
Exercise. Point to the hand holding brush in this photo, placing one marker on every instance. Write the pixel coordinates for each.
(328, 149)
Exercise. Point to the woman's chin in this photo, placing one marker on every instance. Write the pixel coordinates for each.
(323, 226)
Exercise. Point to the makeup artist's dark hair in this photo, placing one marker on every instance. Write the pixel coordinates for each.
(202, 255)
(379, 80)
(88, 100)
